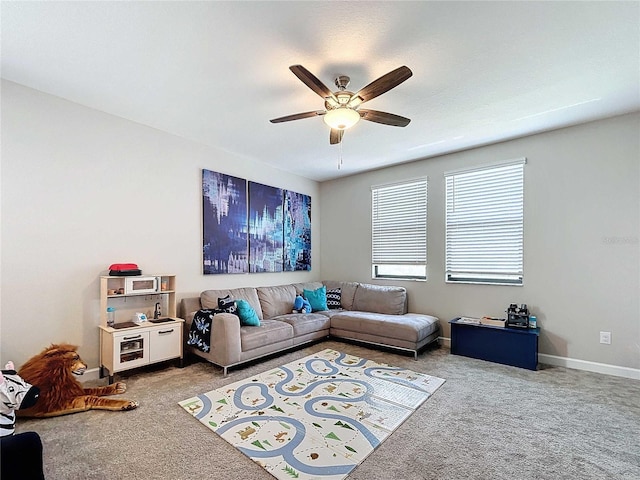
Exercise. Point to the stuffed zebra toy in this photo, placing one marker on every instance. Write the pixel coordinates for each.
(15, 394)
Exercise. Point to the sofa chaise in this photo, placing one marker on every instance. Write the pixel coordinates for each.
(367, 313)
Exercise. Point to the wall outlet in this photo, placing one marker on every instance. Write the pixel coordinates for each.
(605, 337)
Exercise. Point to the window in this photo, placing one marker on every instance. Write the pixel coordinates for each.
(399, 230)
(484, 224)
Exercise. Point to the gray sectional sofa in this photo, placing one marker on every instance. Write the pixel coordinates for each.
(368, 313)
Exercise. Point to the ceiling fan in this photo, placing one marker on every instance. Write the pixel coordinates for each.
(342, 108)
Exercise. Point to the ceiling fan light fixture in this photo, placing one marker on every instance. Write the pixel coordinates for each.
(341, 118)
(342, 108)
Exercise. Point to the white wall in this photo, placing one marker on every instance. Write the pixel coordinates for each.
(581, 249)
(82, 190)
(75, 190)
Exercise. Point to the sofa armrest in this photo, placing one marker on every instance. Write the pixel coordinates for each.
(226, 346)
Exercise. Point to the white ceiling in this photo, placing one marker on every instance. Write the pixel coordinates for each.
(216, 72)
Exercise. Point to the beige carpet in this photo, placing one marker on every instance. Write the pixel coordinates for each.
(488, 421)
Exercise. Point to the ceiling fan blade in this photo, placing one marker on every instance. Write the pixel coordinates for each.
(311, 81)
(298, 116)
(335, 136)
(384, 84)
(384, 118)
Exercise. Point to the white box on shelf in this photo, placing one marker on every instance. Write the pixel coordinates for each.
(147, 284)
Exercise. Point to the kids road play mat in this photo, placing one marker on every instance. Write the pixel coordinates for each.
(317, 417)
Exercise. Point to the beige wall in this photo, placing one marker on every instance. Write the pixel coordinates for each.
(81, 190)
(581, 249)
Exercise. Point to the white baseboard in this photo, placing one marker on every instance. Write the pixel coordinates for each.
(588, 366)
(615, 370)
(576, 364)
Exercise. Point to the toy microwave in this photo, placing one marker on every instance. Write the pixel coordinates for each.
(141, 285)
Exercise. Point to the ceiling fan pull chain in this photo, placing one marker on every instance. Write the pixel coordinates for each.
(340, 160)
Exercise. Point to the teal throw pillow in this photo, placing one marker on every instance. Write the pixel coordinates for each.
(317, 299)
(248, 316)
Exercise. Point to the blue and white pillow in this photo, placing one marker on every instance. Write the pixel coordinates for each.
(227, 304)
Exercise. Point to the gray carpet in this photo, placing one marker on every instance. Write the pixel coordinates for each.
(488, 421)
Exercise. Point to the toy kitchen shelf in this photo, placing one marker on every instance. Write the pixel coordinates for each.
(143, 343)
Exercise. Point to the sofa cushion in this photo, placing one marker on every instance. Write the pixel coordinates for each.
(277, 300)
(209, 298)
(317, 299)
(347, 292)
(269, 331)
(304, 323)
(380, 299)
(331, 313)
(412, 327)
(301, 287)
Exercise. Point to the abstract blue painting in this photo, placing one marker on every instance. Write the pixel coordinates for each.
(224, 223)
(265, 228)
(297, 231)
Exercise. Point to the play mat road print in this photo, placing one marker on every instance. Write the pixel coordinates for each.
(315, 418)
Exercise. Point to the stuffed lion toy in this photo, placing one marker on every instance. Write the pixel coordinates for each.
(52, 371)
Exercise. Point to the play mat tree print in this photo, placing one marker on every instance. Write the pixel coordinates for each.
(317, 417)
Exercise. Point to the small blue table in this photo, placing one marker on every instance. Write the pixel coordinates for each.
(517, 347)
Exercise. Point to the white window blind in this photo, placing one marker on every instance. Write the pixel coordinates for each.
(485, 224)
(399, 229)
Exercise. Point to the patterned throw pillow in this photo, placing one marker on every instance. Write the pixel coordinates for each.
(227, 304)
(333, 299)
